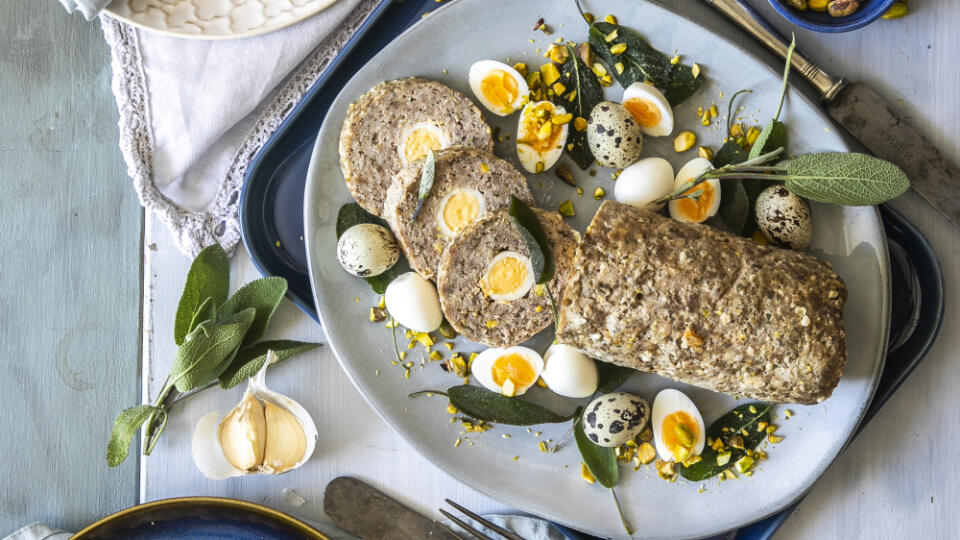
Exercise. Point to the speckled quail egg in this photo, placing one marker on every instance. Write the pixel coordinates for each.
(613, 419)
(784, 218)
(644, 182)
(569, 372)
(367, 249)
(614, 136)
(414, 303)
(678, 431)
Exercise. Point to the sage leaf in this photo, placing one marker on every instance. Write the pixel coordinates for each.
(601, 461)
(208, 277)
(541, 252)
(741, 422)
(200, 360)
(774, 135)
(611, 376)
(580, 82)
(482, 404)
(263, 295)
(845, 179)
(125, 426)
(730, 152)
(426, 181)
(352, 214)
(248, 361)
(206, 312)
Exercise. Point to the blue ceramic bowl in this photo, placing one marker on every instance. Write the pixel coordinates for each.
(870, 10)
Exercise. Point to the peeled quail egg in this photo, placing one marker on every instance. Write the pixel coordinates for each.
(613, 419)
(459, 208)
(784, 218)
(420, 137)
(613, 135)
(678, 431)
(367, 249)
(540, 138)
(649, 108)
(569, 372)
(510, 371)
(705, 205)
(509, 277)
(266, 433)
(499, 87)
(414, 303)
(644, 182)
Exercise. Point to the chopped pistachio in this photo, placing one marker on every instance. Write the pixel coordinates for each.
(723, 459)
(705, 152)
(646, 453)
(566, 209)
(585, 473)
(695, 70)
(598, 193)
(684, 141)
(619, 48)
(611, 19)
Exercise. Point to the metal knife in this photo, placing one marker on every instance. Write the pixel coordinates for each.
(370, 514)
(866, 115)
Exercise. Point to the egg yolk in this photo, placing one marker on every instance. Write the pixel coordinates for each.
(645, 112)
(506, 276)
(539, 131)
(418, 142)
(669, 433)
(515, 368)
(696, 209)
(460, 210)
(500, 89)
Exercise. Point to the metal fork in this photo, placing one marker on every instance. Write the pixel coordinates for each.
(506, 533)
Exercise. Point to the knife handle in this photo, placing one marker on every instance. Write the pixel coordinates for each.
(747, 18)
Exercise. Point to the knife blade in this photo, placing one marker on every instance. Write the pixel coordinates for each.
(866, 116)
(370, 514)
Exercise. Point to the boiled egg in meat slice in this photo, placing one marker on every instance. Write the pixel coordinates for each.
(541, 134)
(649, 108)
(678, 431)
(420, 137)
(703, 200)
(499, 87)
(459, 208)
(510, 371)
(509, 277)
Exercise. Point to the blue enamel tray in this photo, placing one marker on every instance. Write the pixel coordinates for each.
(272, 221)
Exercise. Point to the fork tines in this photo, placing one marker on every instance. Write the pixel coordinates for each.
(506, 533)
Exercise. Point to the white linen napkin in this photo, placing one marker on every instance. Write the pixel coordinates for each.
(89, 8)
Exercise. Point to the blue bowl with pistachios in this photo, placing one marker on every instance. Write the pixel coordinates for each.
(832, 16)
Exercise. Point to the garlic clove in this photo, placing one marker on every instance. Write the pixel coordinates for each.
(207, 453)
(286, 441)
(243, 434)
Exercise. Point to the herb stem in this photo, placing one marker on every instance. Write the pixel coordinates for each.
(428, 393)
(623, 518)
(729, 171)
(566, 435)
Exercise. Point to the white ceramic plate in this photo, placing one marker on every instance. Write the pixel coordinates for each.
(549, 485)
(215, 19)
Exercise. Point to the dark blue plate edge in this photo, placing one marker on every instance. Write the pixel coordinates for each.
(838, 27)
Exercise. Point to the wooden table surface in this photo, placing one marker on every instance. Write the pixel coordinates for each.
(72, 349)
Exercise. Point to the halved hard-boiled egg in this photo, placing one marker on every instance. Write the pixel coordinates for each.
(509, 277)
(649, 108)
(420, 137)
(703, 200)
(644, 182)
(459, 208)
(499, 87)
(541, 134)
(678, 431)
(510, 371)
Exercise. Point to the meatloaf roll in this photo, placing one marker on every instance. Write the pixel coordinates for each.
(468, 185)
(486, 281)
(701, 306)
(395, 123)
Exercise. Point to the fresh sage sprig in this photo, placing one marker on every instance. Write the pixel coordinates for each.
(582, 95)
(774, 134)
(602, 462)
(219, 343)
(426, 181)
(482, 404)
(541, 251)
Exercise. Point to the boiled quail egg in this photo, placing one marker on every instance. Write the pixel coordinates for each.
(644, 182)
(569, 372)
(613, 135)
(649, 108)
(541, 135)
(613, 419)
(704, 205)
(510, 371)
(459, 208)
(678, 431)
(784, 218)
(509, 277)
(420, 137)
(499, 87)
(414, 303)
(367, 249)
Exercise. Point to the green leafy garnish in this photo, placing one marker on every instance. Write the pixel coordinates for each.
(774, 135)
(209, 277)
(426, 181)
(482, 404)
(580, 82)
(263, 295)
(602, 462)
(740, 423)
(541, 252)
(611, 376)
(209, 350)
(126, 425)
(249, 361)
(352, 214)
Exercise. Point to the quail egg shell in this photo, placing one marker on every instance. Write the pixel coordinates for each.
(499, 88)
(414, 303)
(539, 139)
(649, 108)
(509, 277)
(459, 208)
(784, 218)
(613, 419)
(508, 371)
(367, 249)
(569, 372)
(704, 205)
(644, 182)
(420, 137)
(613, 135)
(678, 431)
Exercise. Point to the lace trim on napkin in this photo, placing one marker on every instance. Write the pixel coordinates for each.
(220, 221)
